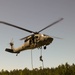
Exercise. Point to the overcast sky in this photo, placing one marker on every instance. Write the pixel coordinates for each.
(35, 15)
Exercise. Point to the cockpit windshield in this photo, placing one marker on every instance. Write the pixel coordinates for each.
(45, 35)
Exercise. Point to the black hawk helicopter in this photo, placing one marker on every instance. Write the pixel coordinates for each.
(35, 40)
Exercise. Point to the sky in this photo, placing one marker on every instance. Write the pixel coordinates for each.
(35, 15)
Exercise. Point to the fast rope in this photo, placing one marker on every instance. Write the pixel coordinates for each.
(41, 59)
(32, 59)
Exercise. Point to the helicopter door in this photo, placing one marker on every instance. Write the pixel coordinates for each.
(33, 39)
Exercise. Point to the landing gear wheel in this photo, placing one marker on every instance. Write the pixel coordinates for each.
(44, 47)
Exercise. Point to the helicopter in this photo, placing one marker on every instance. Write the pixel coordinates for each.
(35, 40)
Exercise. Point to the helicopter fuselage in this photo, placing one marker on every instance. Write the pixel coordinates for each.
(37, 41)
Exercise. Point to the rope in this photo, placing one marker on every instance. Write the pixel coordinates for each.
(41, 58)
(31, 59)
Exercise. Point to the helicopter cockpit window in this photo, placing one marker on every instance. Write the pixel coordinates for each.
(45, 35)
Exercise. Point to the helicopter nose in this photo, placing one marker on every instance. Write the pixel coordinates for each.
(50, 39)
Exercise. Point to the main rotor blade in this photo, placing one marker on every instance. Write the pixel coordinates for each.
(16, 26)
(56, 37)
(51, 24)
(25, 37)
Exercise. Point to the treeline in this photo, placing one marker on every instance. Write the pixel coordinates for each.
(60, 70)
